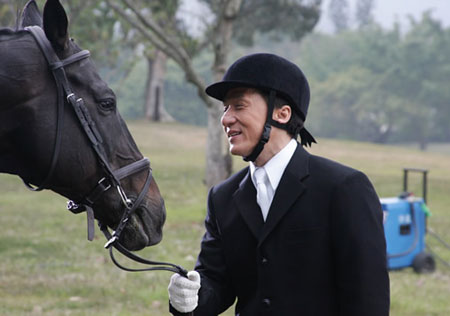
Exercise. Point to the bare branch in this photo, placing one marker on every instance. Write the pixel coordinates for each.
(171, 49)
(158, 31)
(144, 32)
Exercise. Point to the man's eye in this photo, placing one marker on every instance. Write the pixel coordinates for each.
(225, 108)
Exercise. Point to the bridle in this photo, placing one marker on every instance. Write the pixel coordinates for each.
(111, 177)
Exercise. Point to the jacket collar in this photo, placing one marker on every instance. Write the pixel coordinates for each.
(245, 201)
(291, 187)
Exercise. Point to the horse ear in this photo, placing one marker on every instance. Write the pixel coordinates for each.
(56, 24)
(30, 15)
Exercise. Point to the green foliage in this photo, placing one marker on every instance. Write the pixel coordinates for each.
(424, 68)
(293, 19)
(380, 85)
(339, 14)
(92, 25)
(7, 14)
(181, 100)
(130, 91)
(364, 14)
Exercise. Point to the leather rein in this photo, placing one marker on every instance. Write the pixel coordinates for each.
(112, 177)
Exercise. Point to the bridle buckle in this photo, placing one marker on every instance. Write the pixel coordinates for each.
(125, 200)
(75, 208)
(100, 182)
(110, 242)
(70, 96)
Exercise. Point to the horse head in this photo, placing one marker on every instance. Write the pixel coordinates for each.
(29, 128)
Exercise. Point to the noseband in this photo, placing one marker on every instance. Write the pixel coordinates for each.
(112, 177)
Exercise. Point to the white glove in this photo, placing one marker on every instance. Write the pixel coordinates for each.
(183, 292)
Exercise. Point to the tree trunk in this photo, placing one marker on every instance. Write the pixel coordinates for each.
(382, 134)
(218, 158)
(423, 143)
(154, 99)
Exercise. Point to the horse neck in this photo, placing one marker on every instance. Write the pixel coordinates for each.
(10, 123)
(9, 159)
(15, 113)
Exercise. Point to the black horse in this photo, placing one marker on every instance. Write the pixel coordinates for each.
(46, 145)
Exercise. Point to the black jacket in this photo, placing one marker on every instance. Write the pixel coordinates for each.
(321, 251)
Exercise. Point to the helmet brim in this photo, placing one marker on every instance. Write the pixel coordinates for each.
(220, 89)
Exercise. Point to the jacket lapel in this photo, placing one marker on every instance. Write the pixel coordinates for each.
(245, 201)
(290, 188)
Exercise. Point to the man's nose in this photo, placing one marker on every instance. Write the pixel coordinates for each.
(228, 117)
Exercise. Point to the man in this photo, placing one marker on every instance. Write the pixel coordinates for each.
(293, 233)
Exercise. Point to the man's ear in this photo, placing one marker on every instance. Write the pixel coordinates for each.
(30, 15)
(282, 115)
(56, 24)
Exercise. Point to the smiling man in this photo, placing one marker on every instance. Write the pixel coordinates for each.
(245, 112)
(293, 233)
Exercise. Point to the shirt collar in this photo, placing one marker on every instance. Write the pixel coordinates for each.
(277, 164)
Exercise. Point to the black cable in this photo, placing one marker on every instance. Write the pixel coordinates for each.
(435, 235)
(437, 257)
(438, 238)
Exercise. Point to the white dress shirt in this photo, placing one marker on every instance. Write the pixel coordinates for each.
(274, 169)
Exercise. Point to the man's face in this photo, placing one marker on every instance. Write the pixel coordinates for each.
(245, 112)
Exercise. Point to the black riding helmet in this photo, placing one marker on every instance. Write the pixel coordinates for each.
(278, 77)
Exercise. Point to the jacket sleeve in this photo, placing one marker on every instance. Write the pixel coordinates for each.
(215, 294)
(359, 248)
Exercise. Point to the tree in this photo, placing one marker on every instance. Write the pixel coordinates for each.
(154, 95)
(351, 76)
(96, 26)
(379, 85)
(353, 104)
(364, 10)
(423, 73)
(339, 14)
(174, 40)
(165, 15)
(275, 18)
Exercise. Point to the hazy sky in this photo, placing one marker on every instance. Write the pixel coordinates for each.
(388, 11)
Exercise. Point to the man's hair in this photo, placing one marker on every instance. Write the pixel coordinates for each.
(295, 123)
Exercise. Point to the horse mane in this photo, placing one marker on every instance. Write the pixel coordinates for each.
(6, 30)
(6, 33)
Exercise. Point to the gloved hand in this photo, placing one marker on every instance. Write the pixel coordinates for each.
(183, 292)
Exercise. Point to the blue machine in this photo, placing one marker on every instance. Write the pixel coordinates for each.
(405, 228)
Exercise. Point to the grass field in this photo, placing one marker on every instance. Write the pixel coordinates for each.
(47, 267)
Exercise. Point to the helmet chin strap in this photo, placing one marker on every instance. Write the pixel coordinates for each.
(266, 131)
(306, 138)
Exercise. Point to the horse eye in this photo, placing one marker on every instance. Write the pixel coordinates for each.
(107, 104)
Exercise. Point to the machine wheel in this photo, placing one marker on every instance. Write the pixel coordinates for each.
(424, 263)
